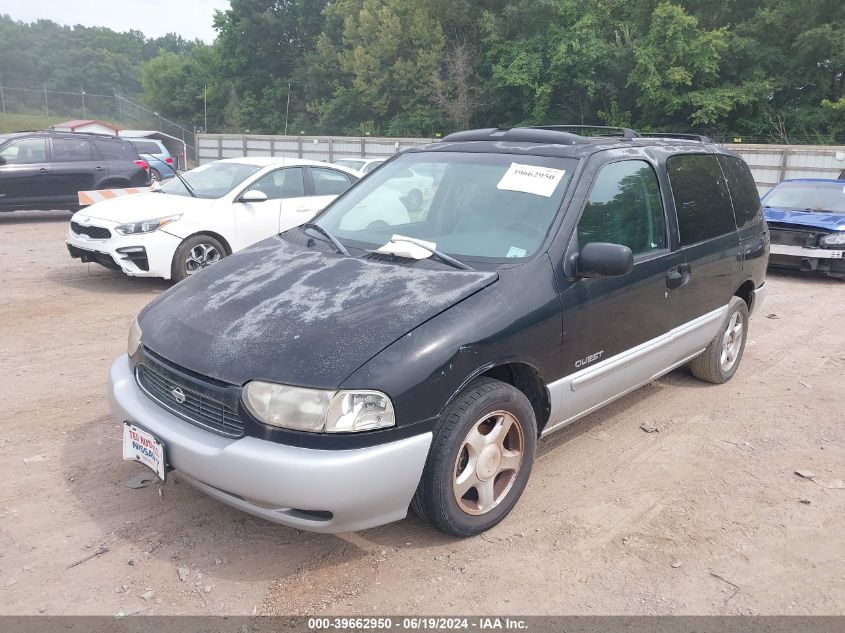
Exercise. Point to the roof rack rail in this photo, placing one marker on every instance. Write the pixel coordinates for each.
(678, 135)
(103, 134)
(609, 130)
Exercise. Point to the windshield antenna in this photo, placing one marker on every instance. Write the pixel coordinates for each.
(181, 178)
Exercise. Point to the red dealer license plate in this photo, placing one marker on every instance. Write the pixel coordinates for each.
(144, 447)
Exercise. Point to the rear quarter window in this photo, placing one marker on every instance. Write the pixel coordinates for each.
(702, 200)
(743, 190)
(146, 147)
(116, 150)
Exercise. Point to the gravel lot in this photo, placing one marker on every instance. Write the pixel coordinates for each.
(705, 516)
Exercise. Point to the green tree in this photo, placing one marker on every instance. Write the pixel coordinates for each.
(384, 56)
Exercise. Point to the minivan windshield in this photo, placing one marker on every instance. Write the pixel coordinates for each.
(213, 180)
(808, 196)
(468, 205)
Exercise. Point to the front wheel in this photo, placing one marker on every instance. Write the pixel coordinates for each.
(194, 254)
(480, 460)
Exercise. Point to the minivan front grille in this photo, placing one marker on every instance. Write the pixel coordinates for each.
(189, 399)
(94, 232)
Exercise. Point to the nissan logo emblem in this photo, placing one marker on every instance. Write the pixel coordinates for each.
(178, 395)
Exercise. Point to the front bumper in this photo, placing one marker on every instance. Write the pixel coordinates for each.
(822, 260)
(759, 297)
(802, 251)
(158, 249)
(318, 490)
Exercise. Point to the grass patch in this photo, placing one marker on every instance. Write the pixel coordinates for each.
(17, 122)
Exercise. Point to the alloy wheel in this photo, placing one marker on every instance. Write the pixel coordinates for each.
(488, 462)
(201, 256)
(732, 342)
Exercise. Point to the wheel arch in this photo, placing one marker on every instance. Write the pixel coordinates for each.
(745, 291)
(522, 376)
(213, 234)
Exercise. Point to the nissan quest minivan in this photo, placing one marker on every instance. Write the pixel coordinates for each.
(375, 360)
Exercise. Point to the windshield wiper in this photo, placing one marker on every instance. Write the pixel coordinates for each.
(340, 247)
(176, 173)
(439, 255)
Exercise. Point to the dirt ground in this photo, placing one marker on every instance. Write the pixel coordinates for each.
(705, 516)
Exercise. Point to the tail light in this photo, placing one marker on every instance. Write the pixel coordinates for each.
(143, 164)
(169, 160)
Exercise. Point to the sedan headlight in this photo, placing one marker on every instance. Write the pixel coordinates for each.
(833, 239)
(145, 226)
(318, 410)
(134, 338)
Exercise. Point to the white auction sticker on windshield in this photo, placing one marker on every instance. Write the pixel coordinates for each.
(541, 181)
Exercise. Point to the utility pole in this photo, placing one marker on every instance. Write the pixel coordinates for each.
(3, 100)
(287, 111)
(205, 109)
(46, 105)
(82, 93)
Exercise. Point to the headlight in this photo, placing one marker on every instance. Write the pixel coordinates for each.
(318, 410)
(833, 239)
(134, 338)
(145, 226)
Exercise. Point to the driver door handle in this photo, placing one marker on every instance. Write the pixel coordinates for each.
(678, 276)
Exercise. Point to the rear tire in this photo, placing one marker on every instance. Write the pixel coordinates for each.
(721, 359)
(194, 254)
(154, 175)
(480, 459)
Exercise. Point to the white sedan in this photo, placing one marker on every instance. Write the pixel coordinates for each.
(227, 205)
(361, 166)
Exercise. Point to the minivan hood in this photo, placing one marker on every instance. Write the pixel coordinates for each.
(143, 206)
(815, 219)
(288, 314)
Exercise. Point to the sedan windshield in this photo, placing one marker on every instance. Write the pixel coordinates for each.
(494, 207)
(809, 196)
(213, 180)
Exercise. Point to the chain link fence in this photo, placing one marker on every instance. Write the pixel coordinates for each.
(59, 105)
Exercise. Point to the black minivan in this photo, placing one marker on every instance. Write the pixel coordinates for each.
(47, 169)
(387, 356)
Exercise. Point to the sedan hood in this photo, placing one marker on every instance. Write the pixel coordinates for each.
(143, 206)
(288, 314)
(814, 219)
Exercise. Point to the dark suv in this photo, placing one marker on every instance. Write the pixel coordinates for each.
(374, 359)
(46, 170)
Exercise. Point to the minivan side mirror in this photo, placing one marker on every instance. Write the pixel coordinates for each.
(2, 161)
(254, 195)
(600, 259)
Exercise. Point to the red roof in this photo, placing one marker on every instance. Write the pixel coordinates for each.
(82, 122)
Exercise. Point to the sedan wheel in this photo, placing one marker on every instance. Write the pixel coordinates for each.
(194, 254)
(201, 256)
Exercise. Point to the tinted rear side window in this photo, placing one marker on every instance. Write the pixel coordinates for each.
(116, 150)
(146, 147)
(744, 194)
(701, 197)
(67, 150)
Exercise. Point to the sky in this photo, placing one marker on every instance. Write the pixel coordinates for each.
(188, 18)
